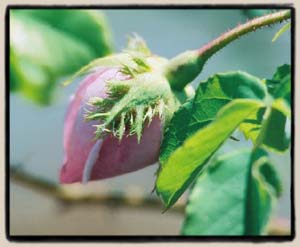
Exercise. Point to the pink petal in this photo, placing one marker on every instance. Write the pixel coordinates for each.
(115, 158)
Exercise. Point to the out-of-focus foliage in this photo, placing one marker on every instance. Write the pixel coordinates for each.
(48, 44)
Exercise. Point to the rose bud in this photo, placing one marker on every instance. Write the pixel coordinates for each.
(114, 123)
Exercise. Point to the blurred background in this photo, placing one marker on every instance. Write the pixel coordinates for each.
(124, 205)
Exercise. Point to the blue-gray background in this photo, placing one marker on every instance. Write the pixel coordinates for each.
(36, 132)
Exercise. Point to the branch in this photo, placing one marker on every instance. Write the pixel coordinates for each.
(185, 67)
(212, 47)
(277, 227)
(67, 197)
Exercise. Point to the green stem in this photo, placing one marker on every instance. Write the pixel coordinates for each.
(185, 67)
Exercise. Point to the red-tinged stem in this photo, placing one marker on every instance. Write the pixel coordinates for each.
(185, 67)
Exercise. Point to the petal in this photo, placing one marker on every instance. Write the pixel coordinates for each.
(78, 134)
(91, 160)
(115, 157)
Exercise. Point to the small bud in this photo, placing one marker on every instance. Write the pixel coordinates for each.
(114, 122)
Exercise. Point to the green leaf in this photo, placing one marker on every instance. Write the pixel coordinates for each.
(211, 96)
(260, 194)
(279, 88)
(41, 51)
(175, 135)
(188, 160)
(273, 130)
(280, 84)
(217, 204)
(270, 175)
(273, 135)
(281, 31)
(251, 126)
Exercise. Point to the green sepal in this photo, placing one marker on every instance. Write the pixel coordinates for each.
(145, 96)
(183, 69)
(133, 101)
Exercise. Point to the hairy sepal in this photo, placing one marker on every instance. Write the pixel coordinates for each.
(131, 104)
(132, 101)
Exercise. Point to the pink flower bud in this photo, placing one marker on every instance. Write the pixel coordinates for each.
(89, 159)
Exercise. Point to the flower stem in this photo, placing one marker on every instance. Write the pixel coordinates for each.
(185, 67)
